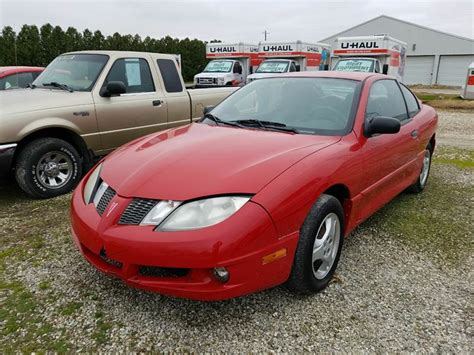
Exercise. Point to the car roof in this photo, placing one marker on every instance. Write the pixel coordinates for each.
(331, 74)
(4, 71)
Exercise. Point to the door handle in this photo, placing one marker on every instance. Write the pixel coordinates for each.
(157, 102)
(414, 134)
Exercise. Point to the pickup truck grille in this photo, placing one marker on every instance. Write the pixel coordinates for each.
(136, 211)
(105, 200)
(207, 81)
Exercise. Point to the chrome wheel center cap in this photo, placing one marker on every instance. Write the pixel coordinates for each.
(51, 169)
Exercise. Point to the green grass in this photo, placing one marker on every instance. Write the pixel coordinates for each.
(446, 101)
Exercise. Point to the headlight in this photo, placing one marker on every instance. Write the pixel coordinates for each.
(91, 184)
(220, 80)
(176, 216)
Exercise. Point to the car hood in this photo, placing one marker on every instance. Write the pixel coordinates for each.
(261, 75)
(17, 101)
(202, 160)
(212, 75)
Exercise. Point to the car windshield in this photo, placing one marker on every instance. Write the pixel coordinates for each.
(355, 65)
(274, 66)
(78, 72)
(218, 66)
(307, 105)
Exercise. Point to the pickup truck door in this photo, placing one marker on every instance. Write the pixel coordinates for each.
(178, 100)
(389, 158)
(140, 111)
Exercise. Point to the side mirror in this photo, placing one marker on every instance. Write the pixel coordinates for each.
(326, 67)
(298, 67)
(382, 125)
(385, 69)
(207, 109)
(113, 88)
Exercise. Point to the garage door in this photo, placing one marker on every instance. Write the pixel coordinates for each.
(453, 69)
(418, 70)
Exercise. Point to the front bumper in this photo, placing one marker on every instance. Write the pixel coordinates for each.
(7, 151)
(238, 244)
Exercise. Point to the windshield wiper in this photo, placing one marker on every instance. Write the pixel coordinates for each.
(58, 85)
(278, 126)
(218, 121)
(31, 86)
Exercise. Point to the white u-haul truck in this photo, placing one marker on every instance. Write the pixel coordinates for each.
(376, 54)
(278, 57)
(230, 64)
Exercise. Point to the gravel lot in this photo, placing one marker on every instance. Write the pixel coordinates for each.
(404, 283)
(456, 129)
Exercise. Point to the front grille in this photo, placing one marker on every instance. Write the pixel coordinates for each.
(105, 200)
(155, 271)
(207, 81)
(136, 211)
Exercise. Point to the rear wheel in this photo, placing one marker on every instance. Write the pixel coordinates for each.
(319, 247)
(48, 167)
(420, 183)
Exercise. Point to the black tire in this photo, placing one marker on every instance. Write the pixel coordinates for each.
(420, 185)
(302, 278)
(28, 177)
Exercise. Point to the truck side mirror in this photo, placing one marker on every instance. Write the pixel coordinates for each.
(298, 67)
(207, 109)
(385, 69)
(113, 88)
(382, 125)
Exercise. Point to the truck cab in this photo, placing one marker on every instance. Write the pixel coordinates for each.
(274, 66)
(373, 54)
(221, 72)
(229, 66)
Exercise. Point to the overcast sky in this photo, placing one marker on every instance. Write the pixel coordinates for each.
(232, 20)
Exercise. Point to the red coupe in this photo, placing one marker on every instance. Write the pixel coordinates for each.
(18, 77)
(259, 192)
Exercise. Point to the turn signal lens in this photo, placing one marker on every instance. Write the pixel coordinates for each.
(267, 259)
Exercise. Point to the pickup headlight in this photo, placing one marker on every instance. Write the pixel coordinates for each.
(176, 216)
(91, 185)
(220, 80)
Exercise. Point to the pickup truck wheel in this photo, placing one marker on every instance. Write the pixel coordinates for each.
(48, 167)
(420, 183)
(319, 247)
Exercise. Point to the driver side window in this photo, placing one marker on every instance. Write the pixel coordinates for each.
(385, 99)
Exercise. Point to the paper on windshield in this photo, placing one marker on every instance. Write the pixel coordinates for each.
(132, 70)
(355, 65)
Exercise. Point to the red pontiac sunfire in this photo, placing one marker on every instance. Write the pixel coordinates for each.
(259, 192)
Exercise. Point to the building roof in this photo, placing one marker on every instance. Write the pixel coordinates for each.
(396, 19)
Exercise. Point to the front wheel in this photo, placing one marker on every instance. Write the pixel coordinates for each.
(319, 247)
(48, 167)
(420, 183)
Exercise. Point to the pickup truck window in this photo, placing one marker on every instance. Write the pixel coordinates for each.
(77, 71)
(170, 75)
(134, 73)
(385, 99)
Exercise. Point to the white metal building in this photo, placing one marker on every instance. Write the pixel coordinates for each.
(433, 57)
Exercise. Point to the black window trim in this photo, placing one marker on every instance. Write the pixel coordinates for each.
(402, 123)
(132, 93)
(414, 96)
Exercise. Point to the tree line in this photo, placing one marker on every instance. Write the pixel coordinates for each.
(39, 46)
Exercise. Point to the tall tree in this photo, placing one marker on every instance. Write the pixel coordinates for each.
(29, 46)
(8, 49)
(73, 40)
(47, 44)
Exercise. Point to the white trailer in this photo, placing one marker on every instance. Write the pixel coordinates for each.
(230, 64)
(377, 54)
(283, 57)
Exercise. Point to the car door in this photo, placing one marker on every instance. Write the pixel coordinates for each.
(177, 98)
(140, 111)
(387, 158)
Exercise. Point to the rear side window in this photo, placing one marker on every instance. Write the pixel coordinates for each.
(385, 99)
(412, 102)
(170, 75)
(134, 73)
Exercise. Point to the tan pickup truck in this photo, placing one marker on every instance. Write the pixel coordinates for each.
(84, 105)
